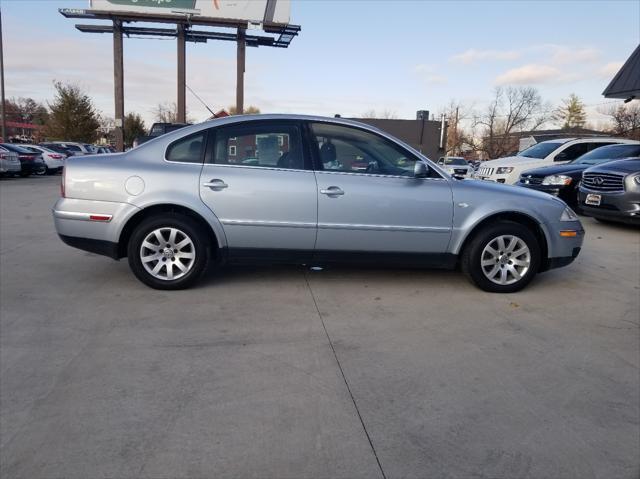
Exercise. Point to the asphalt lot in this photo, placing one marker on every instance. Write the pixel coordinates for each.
(101, 376)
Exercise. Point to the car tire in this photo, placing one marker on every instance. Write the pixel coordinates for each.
(487, 257)
(43, 171)
(177, 262)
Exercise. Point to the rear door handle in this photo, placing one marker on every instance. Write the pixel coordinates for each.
(332, 191)
(216, 184)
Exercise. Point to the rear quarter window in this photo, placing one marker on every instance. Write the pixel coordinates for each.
(187, 150)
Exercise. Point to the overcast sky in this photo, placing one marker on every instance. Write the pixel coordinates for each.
(351, 56)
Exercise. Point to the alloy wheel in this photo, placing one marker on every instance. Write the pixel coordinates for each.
(505, 259)
(167, 253)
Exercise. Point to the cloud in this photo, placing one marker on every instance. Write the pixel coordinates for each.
(564, 55)
(473, 56)
(610, 69)
(532, 74)
(429, 74)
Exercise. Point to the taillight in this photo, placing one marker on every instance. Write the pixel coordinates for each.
(56, 157)
(3, 156)
(62, 181)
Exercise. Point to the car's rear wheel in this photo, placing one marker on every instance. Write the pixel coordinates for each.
(169, 251)
(502, 258)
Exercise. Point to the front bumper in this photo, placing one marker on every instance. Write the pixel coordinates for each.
(495, 178)
(562, 250)
(622, 206)
(564, 192)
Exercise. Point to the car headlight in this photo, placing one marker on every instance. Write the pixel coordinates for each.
(637, 179)
(504, 170)
(568, 215)
(557, 180)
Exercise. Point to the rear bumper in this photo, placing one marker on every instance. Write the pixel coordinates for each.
(91, 225)
(105, 248)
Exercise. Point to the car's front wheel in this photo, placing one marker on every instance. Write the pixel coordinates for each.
(502, 257)
(169, 251)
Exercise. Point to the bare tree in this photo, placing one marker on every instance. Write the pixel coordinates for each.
(459, 132)
(168, 113)
(511, 111)
(250, 110)
(382, 115)
(625, 119)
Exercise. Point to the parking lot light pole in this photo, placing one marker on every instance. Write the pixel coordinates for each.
(118, 83)
(2, 103)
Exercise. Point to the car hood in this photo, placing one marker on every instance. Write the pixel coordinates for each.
(510, 161)
(565, 169)
(619, 166)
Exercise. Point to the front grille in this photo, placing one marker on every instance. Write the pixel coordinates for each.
(603, 181)
(484, 171)
(531, 180)
(460, 171)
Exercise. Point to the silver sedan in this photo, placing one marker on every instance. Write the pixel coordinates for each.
(305, 190)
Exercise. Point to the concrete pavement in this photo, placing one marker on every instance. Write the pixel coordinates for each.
(288, 373)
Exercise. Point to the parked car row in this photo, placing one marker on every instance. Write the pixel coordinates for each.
(547, 153)
(20, 159)
(603, 182)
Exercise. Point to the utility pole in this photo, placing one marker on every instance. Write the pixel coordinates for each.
(455, 138)
(242, 44)
(118, 83)
(2, 103)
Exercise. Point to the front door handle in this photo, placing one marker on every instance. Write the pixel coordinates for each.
(332, 191)
(216, 184)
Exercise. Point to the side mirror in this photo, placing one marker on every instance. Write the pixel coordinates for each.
(420, 170)
(561, 157)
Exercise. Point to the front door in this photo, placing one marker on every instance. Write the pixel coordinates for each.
(369, 200)
(259, 182)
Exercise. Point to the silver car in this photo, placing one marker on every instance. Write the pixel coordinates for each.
(9, 162)
(316, 190)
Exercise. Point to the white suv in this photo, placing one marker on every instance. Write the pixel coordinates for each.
(546, 153)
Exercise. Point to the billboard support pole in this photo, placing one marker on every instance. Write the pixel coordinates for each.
(182, 79)
(2, 104)
(242, 44)
(118, 83)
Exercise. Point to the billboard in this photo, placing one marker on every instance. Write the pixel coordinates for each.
(255, 11)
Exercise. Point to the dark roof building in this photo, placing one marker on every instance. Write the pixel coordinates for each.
(424, 135)
(626, 84)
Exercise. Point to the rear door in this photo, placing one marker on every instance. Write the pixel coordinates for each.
(259, 182)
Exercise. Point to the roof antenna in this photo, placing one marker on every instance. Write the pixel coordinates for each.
(200, 100)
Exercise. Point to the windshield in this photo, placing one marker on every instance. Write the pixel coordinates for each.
(541, 150)
(455, 161)
(607, 153)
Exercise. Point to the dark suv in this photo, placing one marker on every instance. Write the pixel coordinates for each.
(563, 180)
(611, 192)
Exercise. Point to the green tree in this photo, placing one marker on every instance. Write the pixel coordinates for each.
(72, 115)
(571, 113)
(133, 127)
